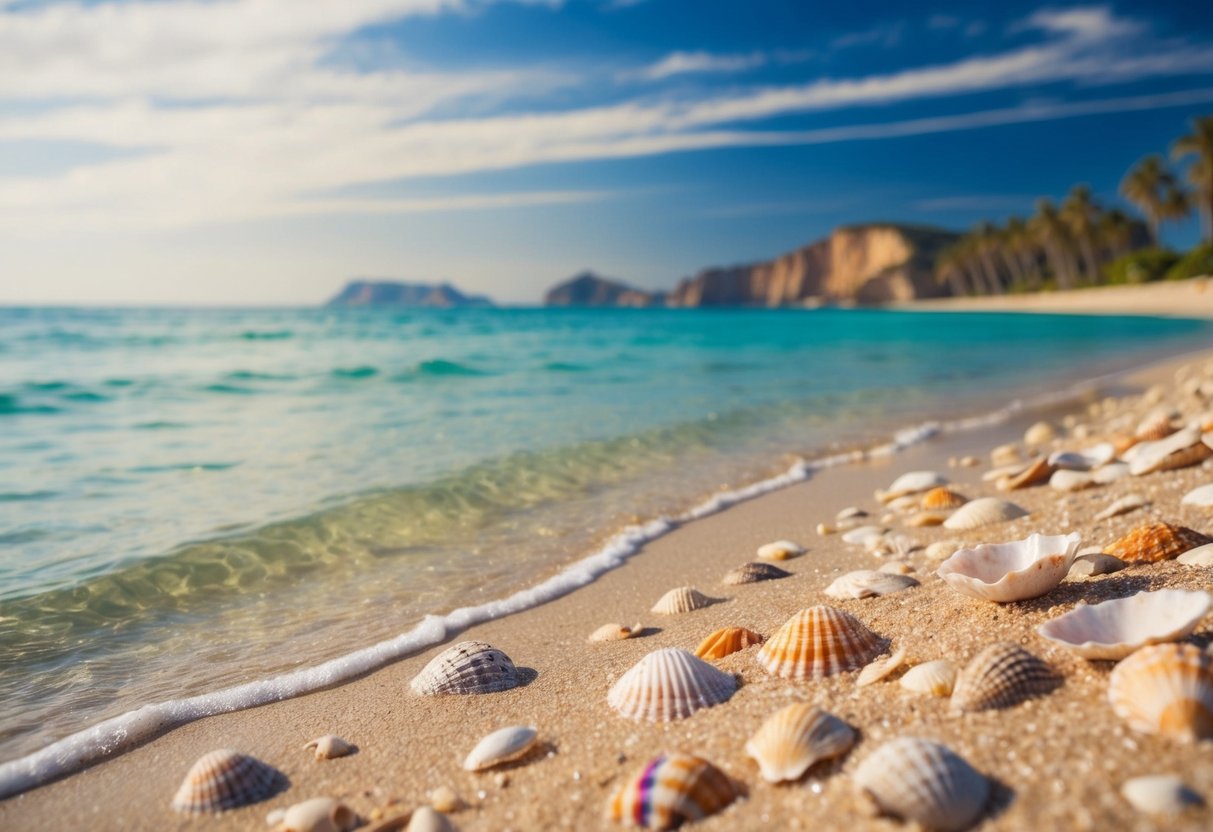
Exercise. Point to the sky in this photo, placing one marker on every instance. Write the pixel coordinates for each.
(252, 152)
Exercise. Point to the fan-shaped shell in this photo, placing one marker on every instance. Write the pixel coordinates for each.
(936, 678)
(466, 668)
(501, 746)
(794, 738)
(1201, 497)
(923, 782)
(999, 676)
(1165, 689)
(1154, 427)
(1155, 542)
(1130, 502)
(226, 779)
(329, 747)
(614, 632)
(1114, 629)
(671, 789)
(1004, 572)
(780, 550)
(1036, 472)
(866, 583)
(818, 642)
(669, 684)
(726, 641)
(320, 814)
(984, 511)
(680, 600)
(942, 498)
(753, 572)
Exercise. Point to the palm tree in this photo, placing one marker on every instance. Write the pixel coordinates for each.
(950, 269)
(1115, 234)
(1019, 241)
(1149, 186)
(1080, 213)
(1052, 235)
(985, 243)
(1200, 173)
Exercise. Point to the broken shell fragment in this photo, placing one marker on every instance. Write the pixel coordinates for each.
(669, 684)
(1016, 571)
(796, 737)
(726, 641)
(1114, 629)
(329, 747)
(923, 782)
(501, 746)
(470, 667)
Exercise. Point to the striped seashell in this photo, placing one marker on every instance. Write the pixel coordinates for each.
(614, 632)
(867, 583)
(1041, 433)
(880, 669)
(1201, 497)
(671, 789)
(320, 814)
(914, 482)
(1165, 689)
(936, 678)
(329, 747)
(999, 676)
(669, 684)
(753, 572)
(1114, 629)
(796, 737)
(1155, 542)
(818, 642)
(726, 641)
(1037, 471)
(1064, 479)
(1016, 571)
(1124, 505)
(1154, 427)
(780, 550)
(466, 668)
(941, 499)
(985, 511)
(226, 779)
(923, 782)
(682, 599)
(501, 746)
(426, 819)
(1160, 794)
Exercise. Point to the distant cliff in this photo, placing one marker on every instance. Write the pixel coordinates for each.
(588, 289)
(394, 293)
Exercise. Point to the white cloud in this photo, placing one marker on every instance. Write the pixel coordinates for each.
(884, 34)
(680, 63)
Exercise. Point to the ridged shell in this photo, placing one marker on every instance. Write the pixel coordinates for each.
(1179, 450)
(914, 482)
(999, 676)
(682, 599)
(923, 782)
(425, 819)
(780, 550)
(818, 642)
(671, 789)
(941, 499)
(943, 549)
(879, 669)
(725, 641)
(614, 632)
(794, 738)
(1160, 794)
(226, 779)
(984, 511)
(501, 746)
(1005, 572)
(1064, 479)
(936, 678)
(1124, 505)
(1165, 689)
(320, 814)
(1114, 629)
(867, 583)
(1201, 497)
(753, 572)
(466, 668)
(329, 747)
(669, 684)
(1154, 427)
(1155, 542)
(1037, 471)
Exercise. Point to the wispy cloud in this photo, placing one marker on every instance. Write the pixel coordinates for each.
(884, 34)
(681, 63)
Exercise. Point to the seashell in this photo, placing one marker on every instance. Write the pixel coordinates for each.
(226, 779)
(897, 567)
(1003, 471)
(1124, 505)
(780, 550)
(725, 641)
(1200, 556)
(880, 669)
(926, 518)
(466, 668)
(753, 572)
(936, 678)
(1114, 629)
(923, 782)
(501, 746)
(818, 642)
(1003, 572)
(901, 505)
(671, 789)
(985, 511)
(682, 599)
(443, 799)
(1037, 471)
(850, 513)
(1179, 450)
(1165, 689)
(1091, 564)
(823, 529)
(796, 737)
(914, 482)
(942, 499)
(425, 819)
(1201, 497)
(330, 747)
(1110, 473)
(1041, 433)
(967, 461)
(320, 814)
(1084, 460)
(861, 535)
(866, 583)
(898, 544)
(1121, 442)
(942, 549)
(669, 684)
(1064, 479)
(1004, 455)
(999, 676)
(1155, 542)
(614, 632)
(1154, 427)
(1160, 794)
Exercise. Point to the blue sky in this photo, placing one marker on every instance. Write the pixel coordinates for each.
(264, 151)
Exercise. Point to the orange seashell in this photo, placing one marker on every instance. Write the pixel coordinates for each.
(1038, 471)
(941, 499)
(1165, 689)
(819, 642)
(725, 641)
(671, 789)
(1155, 542)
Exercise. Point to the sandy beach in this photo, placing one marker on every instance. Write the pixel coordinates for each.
(1185, 298)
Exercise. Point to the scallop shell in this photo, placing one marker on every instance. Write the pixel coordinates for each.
(671, 789)
(726, 641)
(329, 747)
(867, 583)
(1160, 794)
(941, 499)
(923, 782)
(914, 482)
(466, 668)
(985, 511)
(780, 550)
(1165, 689)
(501, 746)
(614, 632)
(669, 684)
(680, 600)
(794, 738)
(320, 814)
(999, 676)
(1041, 433)
(1201, 497)
(818, 642)
(1155, 542)
(1124, 505)
(936, 678)
(1200, 556)
(1065, 479)
(1003, 572)
(425, 819)
(753, 572)
(1114, 629)
(1037, 471)
(880, 669)
(226, 779)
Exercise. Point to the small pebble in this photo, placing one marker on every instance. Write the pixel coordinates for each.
(444, 800)
(1160, 794)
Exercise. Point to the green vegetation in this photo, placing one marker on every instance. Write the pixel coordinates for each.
(1196, 262)
(1141, 266)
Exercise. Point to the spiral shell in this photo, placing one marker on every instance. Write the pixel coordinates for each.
(669, 684)
(671, 789)
(1165, 689)
(753, 572)
(466, 668)
(999, 676)
(1155, 542)
(226, 779)
(866, 583)
(923, 782)
(936, 678)
(501, 746)
(1114, 629)
(818, 642)
(725, 641)
(984, 511)
(796, 737)
(680, 600)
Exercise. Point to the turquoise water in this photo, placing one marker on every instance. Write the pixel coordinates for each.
(195, 498)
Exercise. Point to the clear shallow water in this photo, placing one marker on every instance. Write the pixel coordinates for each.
(194, 499)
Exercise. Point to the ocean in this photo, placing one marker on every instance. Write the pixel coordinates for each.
(196, 500)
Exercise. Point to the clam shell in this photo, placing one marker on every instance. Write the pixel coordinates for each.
(897, 567)
(329, 747)
(1165, 689)
(425, 819)
(1200, 556)
(1110, 473)
(923, 782)
(320, 814)
(725, 641)
(866, 583)
(1114, 629)
(753, 572)
(1064, 479)
(1041, 433)
(1179, 450)
(1084, 460)
(671, 789)
(226, 779)
(1003, 572)
(880, 668)
(1124, 505)
(1201, 497)
(941, 499)
(999, 676)
(669, 684)
(680, 600)
(501, 746)
(818, 642)
(1038, 471)
(466, 668)
(614, 632)
(1155, 542)
(914, 482)
(794, 738)
(985, 511)
(1160, 794)
(861, 535)
(780, 550)
(936, 678)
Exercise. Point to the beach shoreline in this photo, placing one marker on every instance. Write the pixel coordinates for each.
(1192, 298)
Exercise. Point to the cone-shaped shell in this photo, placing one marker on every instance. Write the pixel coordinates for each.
(726, 641)
(753, 572)
(320, 814)
(1000, 676)
(226, 779)
(794, 738)
(1114, 629)
(1155, 542)
(984, 511)
(329, 747)
(614, 632)
(501, 746)
(914, 482)
(671, 790)
(923, 782)
(1201, 497)
(1005, 572)
(936, 678)
(1165, 689)
(466, 668)
(941, 499)
(682, 599)
(780, 550)
(669, 684)
(867, 583)
(818, 642)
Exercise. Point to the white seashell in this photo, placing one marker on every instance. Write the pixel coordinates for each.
(1003, 572)
(823, 529)
(1004, 471)
(1114, 629)
(226, 779)
(329, 747)
(923, 782)
(468, 667)
(614, 632)
(1200, 556)
(913, 482)
(867, 583)
(897, 567)
(1084, 460)
(1160, 794)
(680, 600)
(1124, 505)
(320, 814)
(1091, 562)
(669, 684)
(425, 819)
(985, 511)
(794, 738)
(781, 550)
(861, 535)
(1201, 497)
(850, 513)
(942, 549)
(903, 504)
(1148, 457)
(444, 799)
(1110, 473)
(1041, 433)
(936, 678)
(1066, 480)
(501, 746)
(881, 668)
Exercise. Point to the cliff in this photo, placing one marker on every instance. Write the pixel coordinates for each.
(394, 293)
(589, 289)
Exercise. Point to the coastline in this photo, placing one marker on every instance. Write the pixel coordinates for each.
(1191, 298)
